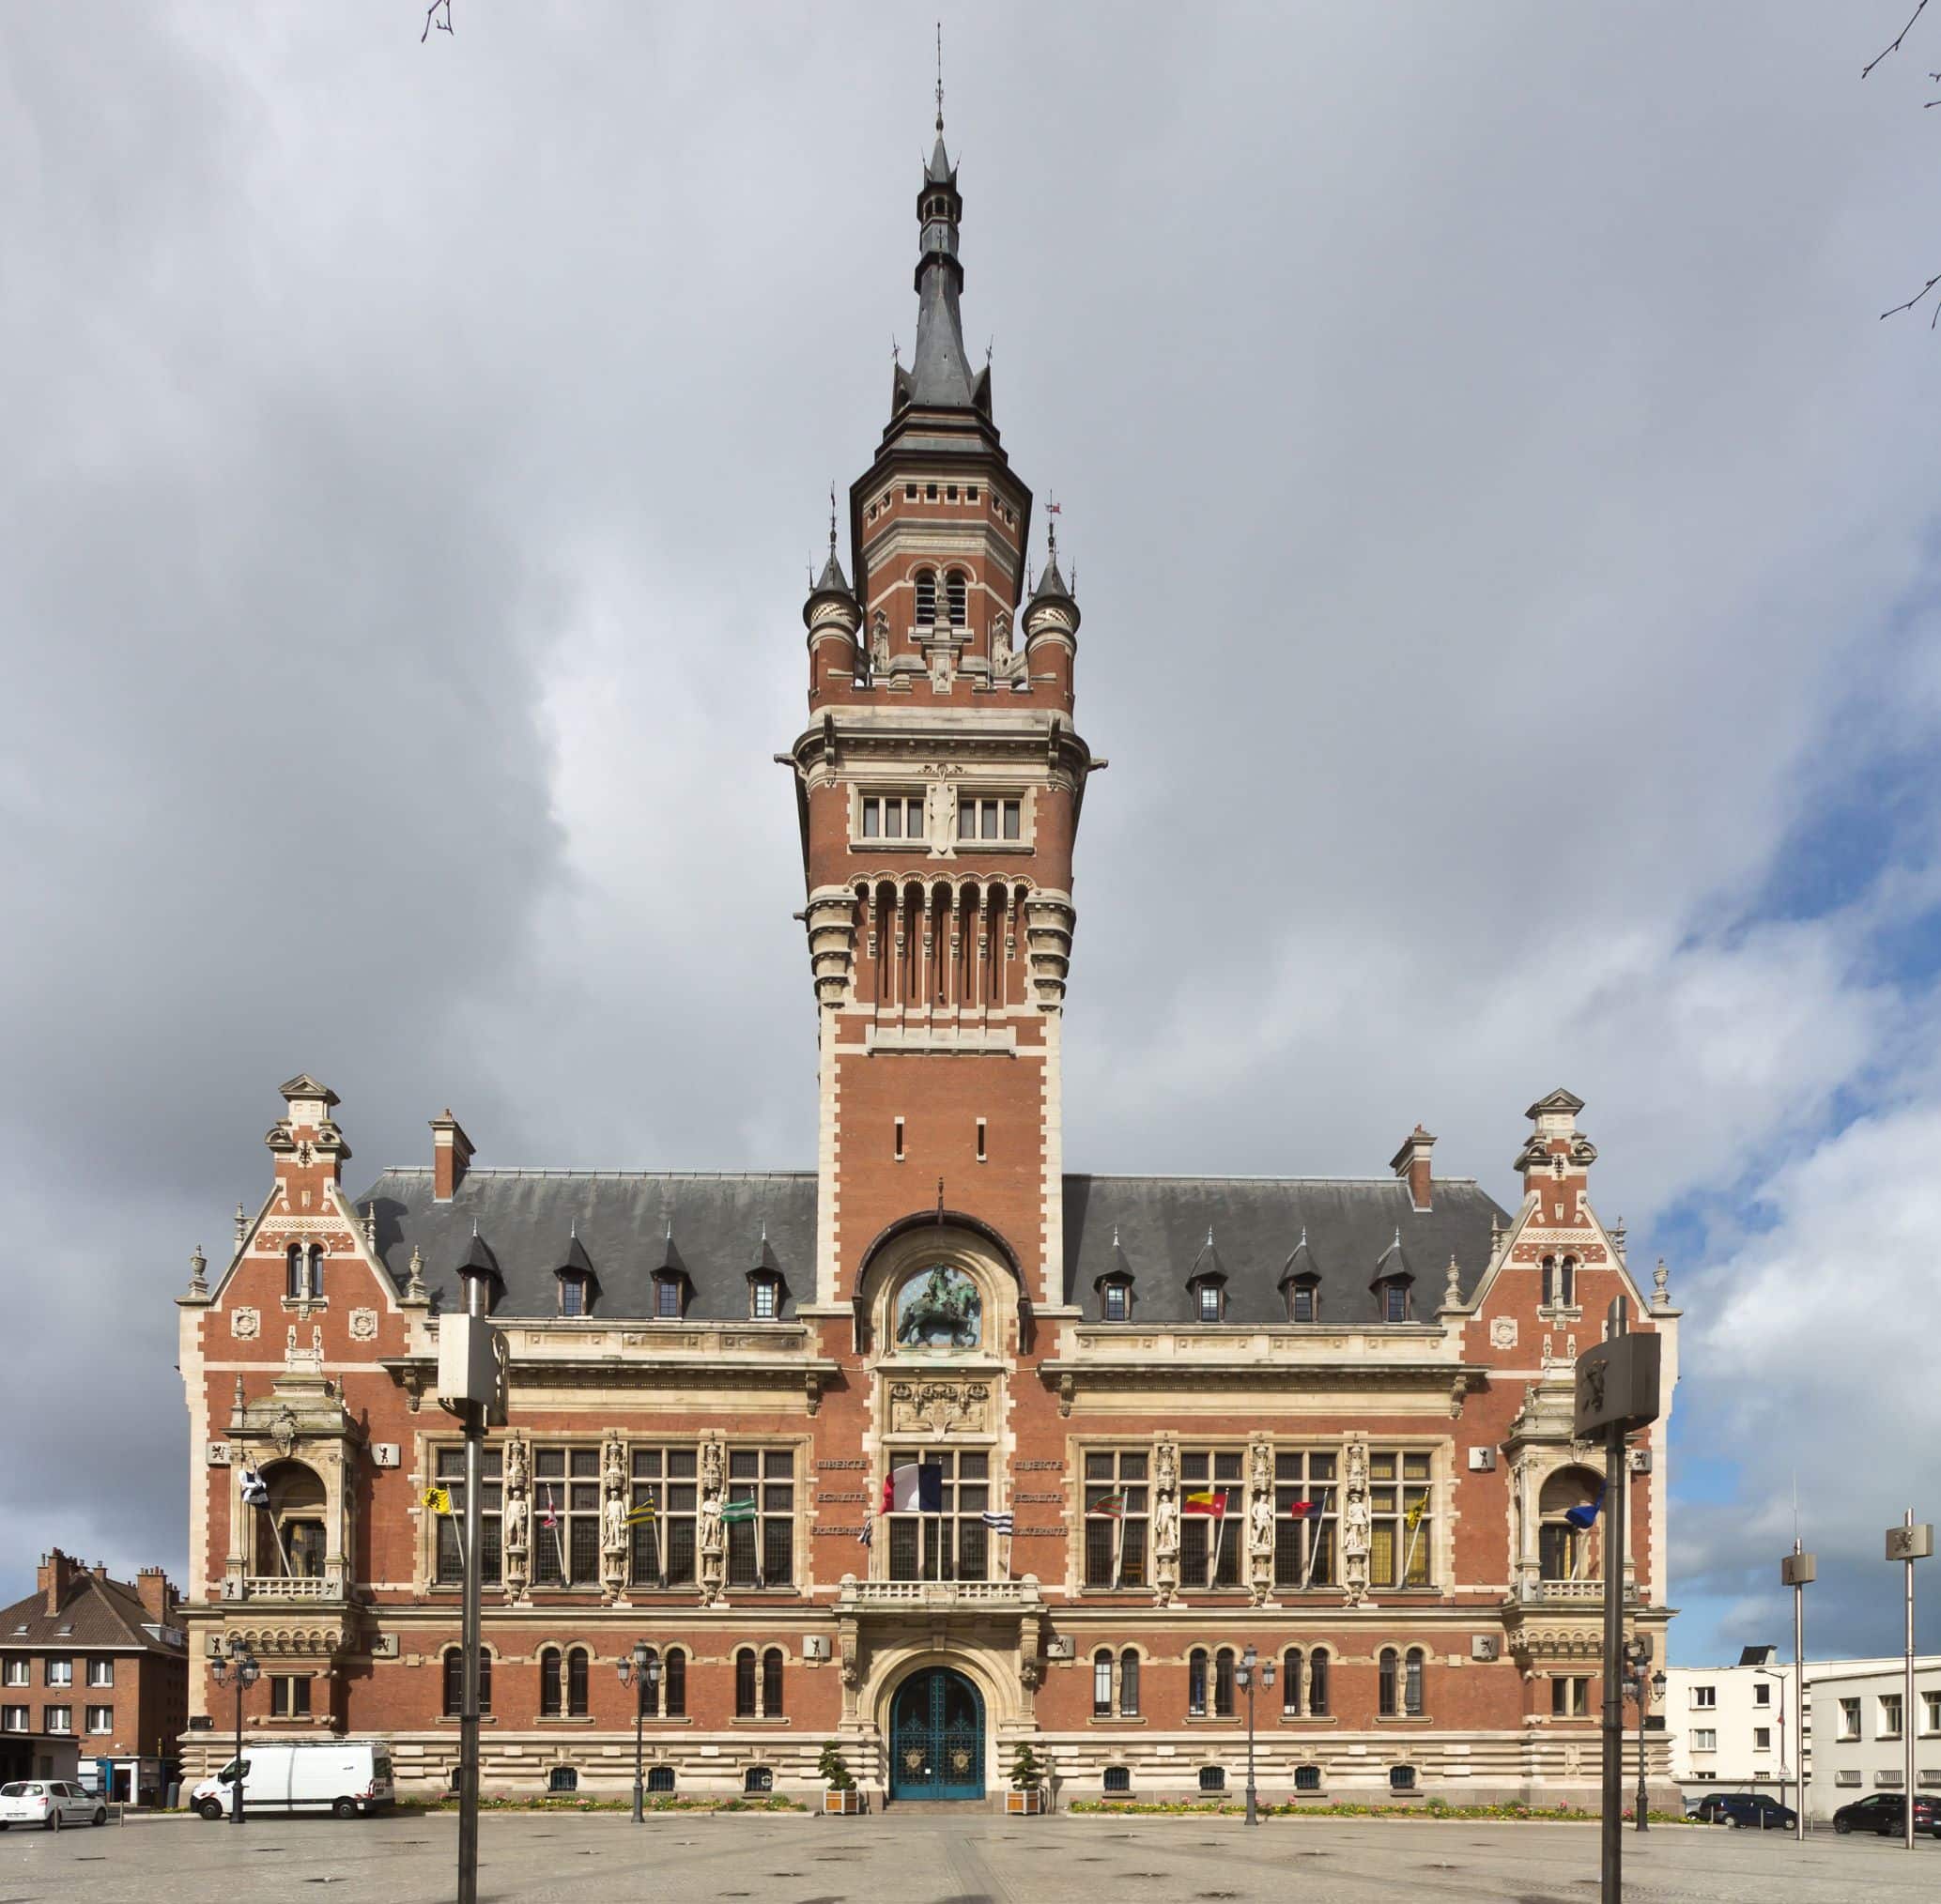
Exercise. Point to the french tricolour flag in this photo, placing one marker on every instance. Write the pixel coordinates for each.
(916, 1488)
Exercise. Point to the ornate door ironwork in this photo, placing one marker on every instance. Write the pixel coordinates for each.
(936, 1737)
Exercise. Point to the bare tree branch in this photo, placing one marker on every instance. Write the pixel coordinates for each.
(444, 25)
(1922, 8)
(1916, 299)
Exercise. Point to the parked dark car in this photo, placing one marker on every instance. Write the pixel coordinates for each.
(1885, 1812)
(1744, 1810)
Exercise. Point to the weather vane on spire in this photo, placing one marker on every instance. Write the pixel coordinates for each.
(1051, 527)
(832, 519)
(940, 76)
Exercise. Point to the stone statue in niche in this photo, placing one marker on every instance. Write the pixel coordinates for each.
(515, 1521)
(613, 1525)
(1165, 1465)
(517, 1475)
(879, 643)
(1260, 1466)
(614, 1467)
(1165, 1526)
(710, 1467)
(709, 1523)
(1260, 1525)
(941, 1310)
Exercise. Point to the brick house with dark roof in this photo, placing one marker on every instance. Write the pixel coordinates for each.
(1165, 1417)
(98, 1669)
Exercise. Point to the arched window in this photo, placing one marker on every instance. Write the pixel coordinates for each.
(1101, 1684)
(1307, 1778)
(1390, 1664)
(1412, 1682)
(673, 1684)
(1317, 1683)
(1196, 1683)
(758, 1778)
(772, 1683)
(1223, 1684)
(290, 1531)
(1549, 1294)
(925, 597)
(660, 1779)
(957, 592)
(562, 1778)
(454, 1683)
(1568, 1544)
(315, 1279)
(1566, 1282)
(1129, 1684)
(1290, 1679)
(744, 1683)
(549, 1705)
(576, 1682)
(293, 1279)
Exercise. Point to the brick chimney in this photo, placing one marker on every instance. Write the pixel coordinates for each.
(1412, 1162)
(57, 1574)
(158, 1597)
(450, 1152)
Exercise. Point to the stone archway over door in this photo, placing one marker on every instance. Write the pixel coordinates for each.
(936, 1737)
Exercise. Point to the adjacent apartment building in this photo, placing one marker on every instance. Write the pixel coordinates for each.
(1858, 1709)
(94, 1681)
(932, 1446)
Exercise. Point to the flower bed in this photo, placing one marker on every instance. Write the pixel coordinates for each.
(659, 1803)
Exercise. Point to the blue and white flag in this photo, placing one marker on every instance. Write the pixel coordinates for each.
(868, 1534)
(999, 1523)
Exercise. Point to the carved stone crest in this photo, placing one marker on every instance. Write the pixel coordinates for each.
(363, 1324)
(245, 1324)
(1503, 1332)
(937, 1407)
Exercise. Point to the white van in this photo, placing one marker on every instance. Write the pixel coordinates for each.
(344, 1777)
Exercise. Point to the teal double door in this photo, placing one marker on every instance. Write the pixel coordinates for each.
(936, 1737)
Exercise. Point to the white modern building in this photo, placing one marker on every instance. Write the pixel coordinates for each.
(1731, 1728)
(1857, 1713)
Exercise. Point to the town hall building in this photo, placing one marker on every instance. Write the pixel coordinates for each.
(933, 1446)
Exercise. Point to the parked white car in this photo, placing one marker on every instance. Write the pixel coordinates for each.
(345, 1777)
(49, 1803)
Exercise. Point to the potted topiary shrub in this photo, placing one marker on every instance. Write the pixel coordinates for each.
(839, 1793)
(1027, 1795)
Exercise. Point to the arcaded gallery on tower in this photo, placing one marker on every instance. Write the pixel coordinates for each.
(931, 1448)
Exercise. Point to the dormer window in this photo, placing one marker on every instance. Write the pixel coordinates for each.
(1304, 1300)
(764, 1297)
(1208, 1300)
(572, 1293)
(1392, 1294)
(925, 597)
(957, 592)
(668, 1297)
(1115, 1298)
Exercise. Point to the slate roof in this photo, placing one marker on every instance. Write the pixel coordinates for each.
(1156, 1228)
(626, 1223)
(716, 1228)
(102, 1613)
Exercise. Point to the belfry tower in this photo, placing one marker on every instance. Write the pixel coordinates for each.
(940, 783)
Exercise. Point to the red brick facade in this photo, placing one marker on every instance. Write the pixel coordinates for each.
(1390, 1354)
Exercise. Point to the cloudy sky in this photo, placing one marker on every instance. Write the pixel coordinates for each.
(1507, 540)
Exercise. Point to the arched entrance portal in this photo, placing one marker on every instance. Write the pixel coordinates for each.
(936, 1737)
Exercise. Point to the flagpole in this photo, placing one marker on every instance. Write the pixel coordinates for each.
(1408, 1561)
(559, 1540)
(1314, 1546)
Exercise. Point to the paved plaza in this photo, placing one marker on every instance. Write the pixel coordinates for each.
(677, 1859)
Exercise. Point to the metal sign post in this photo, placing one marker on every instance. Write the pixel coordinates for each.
(472, 1384)
(1617, 1393)
(1798, 1571)
(1910, 1541)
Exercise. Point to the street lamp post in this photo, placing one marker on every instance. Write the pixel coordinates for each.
(1799, 1570)
(240, 1667)
(1247, 1674)
(1644, 1686)
(641, 1670)
(1910, 1541)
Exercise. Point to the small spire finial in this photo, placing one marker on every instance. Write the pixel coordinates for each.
(832, 520)
(940, 78)
(198, 1267)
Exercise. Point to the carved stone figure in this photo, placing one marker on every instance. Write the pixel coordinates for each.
(879, 643)
(1165, 1526)
(1260, 1467)
(613, 1525)
(614, 1467)
(515, 1524)
(711, 1467)
(1355, 1467)
(1260, 1525)
(517, 1475)
(1355, 1526)
(710, 1523)
(1165, 1466)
